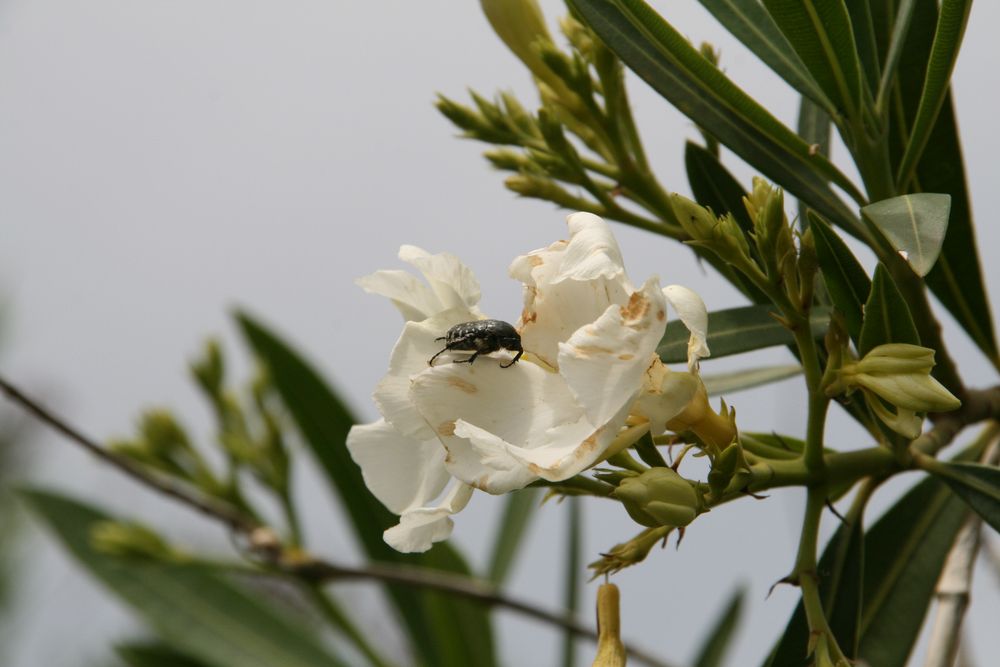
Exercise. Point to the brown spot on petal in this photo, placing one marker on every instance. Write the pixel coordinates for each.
(636, 308)
(535, 260)
(662, 315)
(590, 350)
(626, 357)
(528, 316)
(463, 385)
(446, 428)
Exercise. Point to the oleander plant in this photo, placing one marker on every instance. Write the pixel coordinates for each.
(603, 386)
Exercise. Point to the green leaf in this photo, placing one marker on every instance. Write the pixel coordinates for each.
(191, 607)
(443, 630)
(655, 51)
(864, 36)
(737, 330)
(518, 510)
(887, 318)
(840, 578)
(718, 640)
(814, 127)
(915, 225)
(904, 553)
(976, 484)
(748, 378)
(900, 26)
(957, 278)
(821, 33)
(846, 281)
(153, 654)
(953, 18)
(750, 23)
(572, 566)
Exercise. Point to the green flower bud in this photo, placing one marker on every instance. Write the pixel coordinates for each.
(521, 25)
(163, 435)
(723, 469)
(209, 371)
(722, 236)
(898, 374)
(659, 497)
(131, 540)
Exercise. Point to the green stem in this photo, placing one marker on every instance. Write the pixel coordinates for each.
(808, 578)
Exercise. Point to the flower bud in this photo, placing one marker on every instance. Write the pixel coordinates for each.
(659, 497)
(610, 650)
(130, 540)
(723, 468)
(722, 236)
(209, 371)
(521, 25)
(899, 374)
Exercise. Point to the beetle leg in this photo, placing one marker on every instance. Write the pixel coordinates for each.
(514, 360)
(430, 362)
(467, 361)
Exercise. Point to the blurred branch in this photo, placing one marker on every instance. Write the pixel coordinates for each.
(263, 543)
(235, 520)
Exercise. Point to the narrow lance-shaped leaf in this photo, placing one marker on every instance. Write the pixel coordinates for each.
(887, 318)
(190, 606)
(864, 37)
(750, 23)
(519, 508)
(443, 630)
(572, 563)
(915, 225)
(846, 281)
(150, 654)
(976, 484)
(733, 381)
(674, 68)
(737, 330)
(821, 34)
(814, 126)
(904, 553)
(957, 278)
(953, 18)
(720, 637)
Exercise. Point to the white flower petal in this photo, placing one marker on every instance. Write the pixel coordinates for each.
(401, 472)
(665, 395)
(604, 362)
(419, 529)
(569, 284)
(453, 282)
(505, 427)
(592, 252)
(415, 347)
(411, 297)
(692, 312)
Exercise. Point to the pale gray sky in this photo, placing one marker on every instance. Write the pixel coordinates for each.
(164, 162)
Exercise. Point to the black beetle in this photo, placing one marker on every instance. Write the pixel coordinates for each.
(481, 337)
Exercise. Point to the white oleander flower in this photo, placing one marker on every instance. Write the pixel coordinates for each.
(590, 341)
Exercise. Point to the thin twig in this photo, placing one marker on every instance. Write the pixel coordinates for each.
(955, 584)
(236, 520)
(264, 544)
